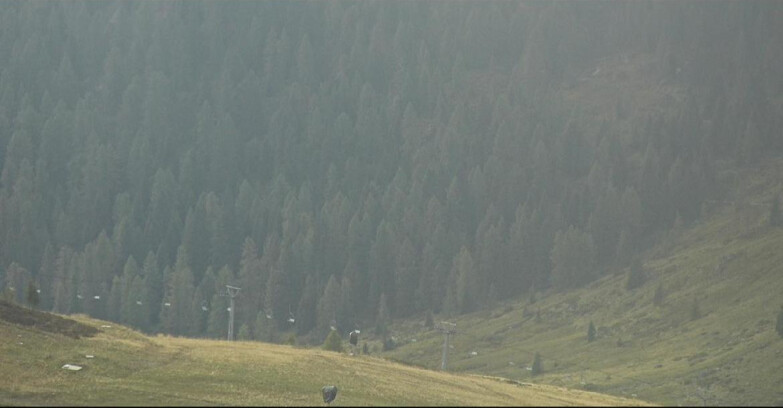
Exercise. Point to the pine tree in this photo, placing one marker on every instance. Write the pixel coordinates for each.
(136, 311)
(265, 328)
(32, 295)
(16, 281)
(573, 256)
(333, 342)
(383, 317)
(218, 317)
(244, 333)
(428, 320)
(537, 367)
(178, 318)
(635, 276)
(467, 281)
(328, 304)
(591, 332)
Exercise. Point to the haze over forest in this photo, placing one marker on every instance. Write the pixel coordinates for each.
(349, 163)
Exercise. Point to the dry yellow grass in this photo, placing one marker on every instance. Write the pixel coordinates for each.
(132, 369)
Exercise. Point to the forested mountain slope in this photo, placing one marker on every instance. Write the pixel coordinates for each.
(349, 162)
(696, 321)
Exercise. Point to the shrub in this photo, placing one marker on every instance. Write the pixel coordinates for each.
(333, 342)
(244, 333)
(389, 344)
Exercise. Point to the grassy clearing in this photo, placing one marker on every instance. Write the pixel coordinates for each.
(731, 264)
(129, 368)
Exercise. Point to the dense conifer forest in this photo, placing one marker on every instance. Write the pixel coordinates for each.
(346, 163)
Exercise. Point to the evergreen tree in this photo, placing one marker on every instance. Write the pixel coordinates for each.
(136, 310)
(467, 281)
(382, 319)
(128, 306)
(264, 328)
(32, 295)
(328, 304)
(636, 276)
(573, 257)
(114, 303)
(537, 367)
(333, 342)
(217, 322)
(251, 280)
(16, 281)
(591, 332)
(244, 333)
(153, 290)
(178, 317)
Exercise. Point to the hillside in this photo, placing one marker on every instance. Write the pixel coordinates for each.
(362, 165)
(128, 368)
(729, 264)
(345, 163)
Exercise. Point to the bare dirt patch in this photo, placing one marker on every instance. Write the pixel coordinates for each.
(44, 321)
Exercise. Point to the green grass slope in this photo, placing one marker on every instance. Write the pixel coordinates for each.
(730, 265)
(129, 368)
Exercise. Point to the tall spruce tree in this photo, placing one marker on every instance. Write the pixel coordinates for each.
(591, 332)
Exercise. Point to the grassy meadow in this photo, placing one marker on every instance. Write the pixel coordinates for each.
(129, 368)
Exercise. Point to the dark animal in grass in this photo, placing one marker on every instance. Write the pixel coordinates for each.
(329, 392)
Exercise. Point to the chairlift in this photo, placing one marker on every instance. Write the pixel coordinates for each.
(291, 318)
(353, 338)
